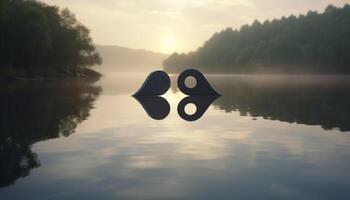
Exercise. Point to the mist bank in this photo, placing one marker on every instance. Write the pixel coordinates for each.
(122, 59)
(315, 43)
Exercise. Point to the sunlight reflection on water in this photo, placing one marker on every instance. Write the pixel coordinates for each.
(120, 152)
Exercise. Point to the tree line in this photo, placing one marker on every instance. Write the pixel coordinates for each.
(311, 43)
(36, 38)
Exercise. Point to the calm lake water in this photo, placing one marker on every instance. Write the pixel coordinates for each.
(267, 137)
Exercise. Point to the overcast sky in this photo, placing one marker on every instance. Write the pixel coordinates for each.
(176, 25)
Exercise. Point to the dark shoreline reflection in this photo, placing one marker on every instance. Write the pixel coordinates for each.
(30, 114)
(309, 100)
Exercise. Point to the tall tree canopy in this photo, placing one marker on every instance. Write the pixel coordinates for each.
(38, 38)
(311, 43)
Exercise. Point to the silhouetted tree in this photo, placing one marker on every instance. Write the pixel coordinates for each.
(311, 43)
(38, 38)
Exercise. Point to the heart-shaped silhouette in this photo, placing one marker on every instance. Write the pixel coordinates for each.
(202, 88)
(157, 83)
(202, 103)
(156, 107)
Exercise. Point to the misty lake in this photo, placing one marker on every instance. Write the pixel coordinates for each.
(267, 137)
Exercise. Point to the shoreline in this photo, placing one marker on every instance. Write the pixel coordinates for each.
(86, 75)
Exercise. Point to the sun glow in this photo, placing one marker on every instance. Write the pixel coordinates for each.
(168, 44)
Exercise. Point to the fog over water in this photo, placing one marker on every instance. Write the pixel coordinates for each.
(267, 137)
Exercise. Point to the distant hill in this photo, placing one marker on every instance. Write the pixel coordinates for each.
(311, 43)
(122, 59)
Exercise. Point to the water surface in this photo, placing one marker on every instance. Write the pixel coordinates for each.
(267, 137)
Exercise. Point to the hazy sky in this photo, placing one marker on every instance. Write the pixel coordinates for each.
(176, 25)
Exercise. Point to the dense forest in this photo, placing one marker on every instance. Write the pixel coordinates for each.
(311, 43)
(41, 40)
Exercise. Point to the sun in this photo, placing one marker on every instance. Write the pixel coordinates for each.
(168, 44)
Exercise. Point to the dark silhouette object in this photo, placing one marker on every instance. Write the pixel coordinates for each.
(156, 107)
(202, 104)
(202, 87)
(157, 83)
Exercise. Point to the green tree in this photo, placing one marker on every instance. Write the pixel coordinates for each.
(311, 43)
(40, 39)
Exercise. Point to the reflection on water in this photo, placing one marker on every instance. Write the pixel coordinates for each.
(32, 114)
(310, 100)
(201, 103)
(297, 146)
(156, 107)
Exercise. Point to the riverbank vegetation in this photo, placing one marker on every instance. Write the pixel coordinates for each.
(311, 43)
(39, 41)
